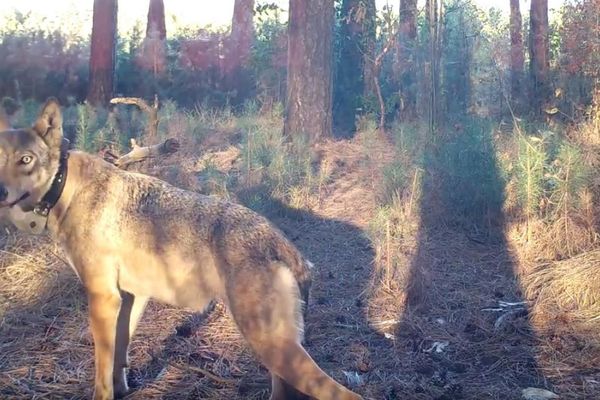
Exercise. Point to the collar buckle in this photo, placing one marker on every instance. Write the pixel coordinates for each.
(42, 209)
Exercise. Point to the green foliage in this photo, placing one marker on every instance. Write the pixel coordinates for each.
(43, 57)
(409, 139)
(213, 181)
(551, 171)
(530, 173)
(461, 29)
(269, 55)
(400, 175)
(465, 170)
(391, 231)
(168, 115)
(283, 166)
(259, 148)
(39, 59)
(195, 124)
(367, 123)
(395, 181)
(488, 34)
(568, 176)
(27, 113)
(91, 127)
(291, 166)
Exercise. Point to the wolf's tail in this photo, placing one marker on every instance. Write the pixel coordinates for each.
(301, 269)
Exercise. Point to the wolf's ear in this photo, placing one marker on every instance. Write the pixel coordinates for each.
(4, 124)
(49, 123)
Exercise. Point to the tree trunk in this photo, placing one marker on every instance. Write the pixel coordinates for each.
(433, 18)
(238, 50)
(370, 39)
(439, 43)
(309, 89)
(155, 27)
(242, 33)
(539, 54)
(457, 62)
(156, 34)
(349, 82)
(517, 56)
(407, 41)
(102, 58)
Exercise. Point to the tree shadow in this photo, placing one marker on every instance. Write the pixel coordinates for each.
(338, 333)
(465, 325)
(140, 375)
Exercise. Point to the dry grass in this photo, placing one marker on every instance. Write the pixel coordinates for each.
(553, 240)
(394, 234)
(379, 311)
(565, 312)
(41, 338)
(567, 291)
(564, 295)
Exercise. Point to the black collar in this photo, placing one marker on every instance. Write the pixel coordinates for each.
(58, 184)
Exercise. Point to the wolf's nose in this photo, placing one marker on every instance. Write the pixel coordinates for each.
(3, 193)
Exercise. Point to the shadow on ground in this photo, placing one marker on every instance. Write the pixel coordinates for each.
(465, 327)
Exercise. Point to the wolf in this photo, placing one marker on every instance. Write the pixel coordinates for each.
(131, 237)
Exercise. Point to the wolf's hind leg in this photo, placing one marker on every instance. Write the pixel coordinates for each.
(265, 303)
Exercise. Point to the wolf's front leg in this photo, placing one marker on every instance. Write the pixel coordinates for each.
(130, 312)
(104, 310)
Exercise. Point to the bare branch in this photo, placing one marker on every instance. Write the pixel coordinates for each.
(376, 72)
(151, 110)
(136, 101)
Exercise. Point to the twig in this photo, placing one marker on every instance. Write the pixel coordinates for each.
(216, 378)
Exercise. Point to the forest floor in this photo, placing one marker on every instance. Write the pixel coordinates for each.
(453, 345)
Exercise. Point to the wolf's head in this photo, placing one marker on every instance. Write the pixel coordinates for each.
(29, 157)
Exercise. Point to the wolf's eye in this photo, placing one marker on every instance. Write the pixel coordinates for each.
(26, 159)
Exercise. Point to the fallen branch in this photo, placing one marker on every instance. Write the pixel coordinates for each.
(140, 153)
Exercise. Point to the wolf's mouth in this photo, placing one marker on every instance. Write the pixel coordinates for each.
(17, 201)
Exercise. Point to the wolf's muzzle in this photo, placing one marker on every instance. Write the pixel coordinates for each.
(4, 197)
